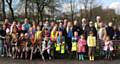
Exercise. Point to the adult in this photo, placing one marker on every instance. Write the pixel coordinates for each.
(2, 38)
(98, 21)
(77, 28)
(116, 33)
(101, 31)
(110, 30)
(84, 23)
(92, 28)
(13, 27)
(26, 26)
(69, 34)
(7, 24)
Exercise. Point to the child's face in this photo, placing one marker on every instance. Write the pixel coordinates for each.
(22, 35)
(38, 28)
(60, 33)
(91, 34)
(75, 33)
(82, 37)
(46, 38)
(30, 29)
(107, 38)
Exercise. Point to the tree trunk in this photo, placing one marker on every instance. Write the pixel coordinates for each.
(12, 12)
(26, 8)
(3, 9)
(38, 11)
(41, 15)
(11, 9)
(33, 11)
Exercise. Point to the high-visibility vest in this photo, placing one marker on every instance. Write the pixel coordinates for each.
(74, 46)
(62, 49)
(57, 47)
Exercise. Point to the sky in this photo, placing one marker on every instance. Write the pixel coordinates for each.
(112, 4)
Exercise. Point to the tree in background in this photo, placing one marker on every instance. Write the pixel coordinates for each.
(3, 9)
(9, 2)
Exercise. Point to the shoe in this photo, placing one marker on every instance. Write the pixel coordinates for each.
(82, 57)
(2, 55)
(90, 58)
(79, 57)
(50, 58)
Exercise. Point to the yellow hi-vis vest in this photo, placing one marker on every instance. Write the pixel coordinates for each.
(62, 49)
(74, 46)
(57, 47)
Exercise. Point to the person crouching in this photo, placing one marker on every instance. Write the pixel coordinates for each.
(46, 46)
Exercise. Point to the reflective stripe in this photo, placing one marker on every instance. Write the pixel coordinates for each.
(74, 46)
(57, 47)
(62, 48)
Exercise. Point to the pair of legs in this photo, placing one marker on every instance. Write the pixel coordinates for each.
(47, 52)
(14, 51)
(80, 55)
(108, 55)
(74, 54)
(91, 52)
(25, 50)
(7, 49)
(2, 47)
(34, 50)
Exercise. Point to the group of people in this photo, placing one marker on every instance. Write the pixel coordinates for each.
(53, 39)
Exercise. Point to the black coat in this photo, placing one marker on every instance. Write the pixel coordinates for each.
(78, 29)
(110, 32)
(2, 33)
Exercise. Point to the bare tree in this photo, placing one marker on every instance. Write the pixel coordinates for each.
(26, 7)
(88, 6)
(3, 9)
(9, 2)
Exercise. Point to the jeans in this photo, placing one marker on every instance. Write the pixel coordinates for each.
(1, 46)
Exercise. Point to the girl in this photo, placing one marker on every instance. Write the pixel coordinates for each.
(74, 43)
(46, 45)
(7, 43)
(23, 44)
(53, 37)
(60, 45)
(38, 42)
(91, 42)
(31, 42)
(108, 48)
(14, 44)
(81, 47)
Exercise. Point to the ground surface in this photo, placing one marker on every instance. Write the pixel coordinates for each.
(57, 61)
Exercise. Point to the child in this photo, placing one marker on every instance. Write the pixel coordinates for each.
(46, 45)
(108, 48)
(14, 45)
(53, 37)
(7, 43)
(74, 43)
(81, 47)
(91, 42)
(60, 45)
(23, 44)
(38, 42)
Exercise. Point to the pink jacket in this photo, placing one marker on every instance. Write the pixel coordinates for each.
(81, 45)
(108, 45)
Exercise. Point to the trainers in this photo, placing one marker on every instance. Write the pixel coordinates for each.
(2, 55)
